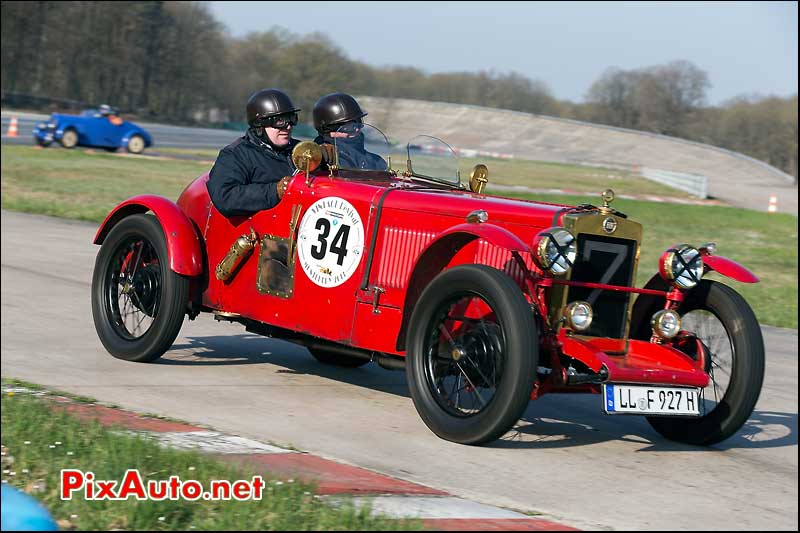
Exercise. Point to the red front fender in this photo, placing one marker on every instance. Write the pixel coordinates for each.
(730, 268)
(438, 254)
(494, 234)
(183, 243)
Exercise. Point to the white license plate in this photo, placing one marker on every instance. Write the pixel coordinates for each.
(644, 400)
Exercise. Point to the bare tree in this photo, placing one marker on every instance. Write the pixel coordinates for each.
(659, 99)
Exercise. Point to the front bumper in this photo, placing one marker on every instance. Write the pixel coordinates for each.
(46, 134)
(642, 362)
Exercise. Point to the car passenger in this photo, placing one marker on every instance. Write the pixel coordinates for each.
(338, 117)
(111, 114)
(252, 173)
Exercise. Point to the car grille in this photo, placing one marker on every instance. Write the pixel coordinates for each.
(611, 261)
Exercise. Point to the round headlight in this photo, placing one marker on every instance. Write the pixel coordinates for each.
(666, 323)
(682, 265)
(579, 315)
(554, 250)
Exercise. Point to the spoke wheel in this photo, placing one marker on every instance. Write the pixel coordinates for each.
(138, 303)
(134, 288)
(472, 352)
(721, 319)
(464, 355)
(717, 344)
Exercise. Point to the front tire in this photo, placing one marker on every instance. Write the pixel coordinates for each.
(138, 303)
(69, 139)
(472, 354)
(727, 326)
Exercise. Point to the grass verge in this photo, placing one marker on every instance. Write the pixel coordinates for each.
(533, 174)
(546, 175)
(86, 186)
(207, 154)
(38, 442)
(539, 174)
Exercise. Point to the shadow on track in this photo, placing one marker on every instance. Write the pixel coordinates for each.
(554, 421)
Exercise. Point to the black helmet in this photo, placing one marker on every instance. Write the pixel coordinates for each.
(335, 109)
(268, 103)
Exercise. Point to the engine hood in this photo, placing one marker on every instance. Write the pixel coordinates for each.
(459, 204)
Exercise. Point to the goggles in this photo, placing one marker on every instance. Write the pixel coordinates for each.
(351, 127)
(280, 121)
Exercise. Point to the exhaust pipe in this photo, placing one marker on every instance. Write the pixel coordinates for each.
(387, 362)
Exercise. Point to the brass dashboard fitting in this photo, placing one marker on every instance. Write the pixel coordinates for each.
(478, 178)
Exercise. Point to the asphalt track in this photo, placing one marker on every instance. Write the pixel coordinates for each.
(565, 459)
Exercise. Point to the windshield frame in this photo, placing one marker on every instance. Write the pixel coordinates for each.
(409, 173)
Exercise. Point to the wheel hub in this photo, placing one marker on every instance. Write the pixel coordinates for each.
(458, 353)
(144, 289)
(480, 352)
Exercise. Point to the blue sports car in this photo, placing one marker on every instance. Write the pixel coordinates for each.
(101, 127)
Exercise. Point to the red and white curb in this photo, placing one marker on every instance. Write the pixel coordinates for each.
(213, 442)
(336, 482)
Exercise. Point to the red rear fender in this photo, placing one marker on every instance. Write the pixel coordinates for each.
(183, 243)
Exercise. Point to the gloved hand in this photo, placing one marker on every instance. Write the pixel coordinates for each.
(282, 186)
(328, 153)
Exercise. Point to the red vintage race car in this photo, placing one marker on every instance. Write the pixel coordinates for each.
(486, 302)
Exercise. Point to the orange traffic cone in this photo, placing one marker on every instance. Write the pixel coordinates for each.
(12, 128)
(773, 204)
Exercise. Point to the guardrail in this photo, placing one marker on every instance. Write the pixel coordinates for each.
(694, 184)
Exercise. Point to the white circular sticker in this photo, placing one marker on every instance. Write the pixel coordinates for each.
(331, 241)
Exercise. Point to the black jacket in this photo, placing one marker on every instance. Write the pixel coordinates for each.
(245, 176)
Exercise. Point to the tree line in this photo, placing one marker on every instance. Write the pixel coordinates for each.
(173, 61)
(669, 99)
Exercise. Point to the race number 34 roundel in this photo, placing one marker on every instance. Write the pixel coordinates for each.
(331, 241)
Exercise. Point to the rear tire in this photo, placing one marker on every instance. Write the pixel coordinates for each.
(138, 303)
(472, 330)
(727, 326)
(136, 144)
